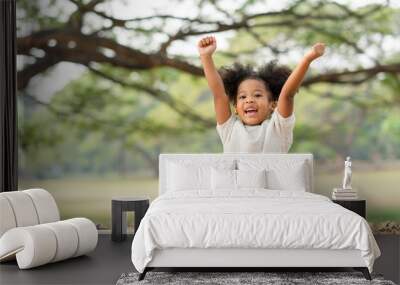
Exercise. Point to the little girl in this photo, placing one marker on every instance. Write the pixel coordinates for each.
(263, 101)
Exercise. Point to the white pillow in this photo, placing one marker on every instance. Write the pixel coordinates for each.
(228, 179)
(223, 179)
(293, 180)
(186, 175)
(251, 178)
(292, 175)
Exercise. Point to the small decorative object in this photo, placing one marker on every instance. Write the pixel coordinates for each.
(346, 192)
(347, 174)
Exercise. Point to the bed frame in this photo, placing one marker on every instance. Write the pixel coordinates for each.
(249, 258)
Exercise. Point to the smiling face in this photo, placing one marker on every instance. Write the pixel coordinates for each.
(253, 102)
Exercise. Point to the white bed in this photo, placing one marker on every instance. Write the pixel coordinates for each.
(203, 220)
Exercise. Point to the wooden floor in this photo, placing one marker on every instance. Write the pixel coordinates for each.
(110, 259)
(102, 266)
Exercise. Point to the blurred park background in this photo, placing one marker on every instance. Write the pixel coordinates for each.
(104, 86)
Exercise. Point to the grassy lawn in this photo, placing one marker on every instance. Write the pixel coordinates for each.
(91, 197)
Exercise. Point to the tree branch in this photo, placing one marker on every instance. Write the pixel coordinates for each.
(41, 65)
(353, 77)
(92, 49)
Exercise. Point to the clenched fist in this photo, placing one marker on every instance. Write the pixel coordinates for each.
(316, 51)
(207, 45)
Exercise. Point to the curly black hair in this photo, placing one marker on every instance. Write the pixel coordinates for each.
(273, 75)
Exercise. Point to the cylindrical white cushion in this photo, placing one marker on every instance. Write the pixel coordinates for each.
(87, 234)
(45, 205)
(7, 218)
(23, 208)
(27, 208)
(67, 239)
(41, 244)
(34, 245)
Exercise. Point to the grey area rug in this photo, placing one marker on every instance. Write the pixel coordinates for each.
(270, 278)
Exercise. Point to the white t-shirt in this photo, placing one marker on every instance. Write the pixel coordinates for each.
(272, 135)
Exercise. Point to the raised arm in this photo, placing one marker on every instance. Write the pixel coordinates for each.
(292, 84)
(206, 47)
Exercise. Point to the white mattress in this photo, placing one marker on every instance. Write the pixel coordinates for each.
(252, 218)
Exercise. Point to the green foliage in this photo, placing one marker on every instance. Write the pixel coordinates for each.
(40, 14)
(319, 150)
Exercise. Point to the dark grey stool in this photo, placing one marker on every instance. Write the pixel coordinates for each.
(119, 206)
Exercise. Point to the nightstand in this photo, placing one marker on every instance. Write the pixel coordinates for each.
(119, 207)
(358, 206)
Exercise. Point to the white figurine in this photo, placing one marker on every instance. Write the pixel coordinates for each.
(347, 174)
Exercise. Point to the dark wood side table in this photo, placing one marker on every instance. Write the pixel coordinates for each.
(119, 207)
(358, 206)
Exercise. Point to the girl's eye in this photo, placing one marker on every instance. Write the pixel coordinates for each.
(258, 95)
(242, 97)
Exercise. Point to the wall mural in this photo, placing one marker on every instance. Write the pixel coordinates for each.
(104, 87)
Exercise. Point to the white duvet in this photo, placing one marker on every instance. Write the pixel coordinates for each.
(252, 218)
